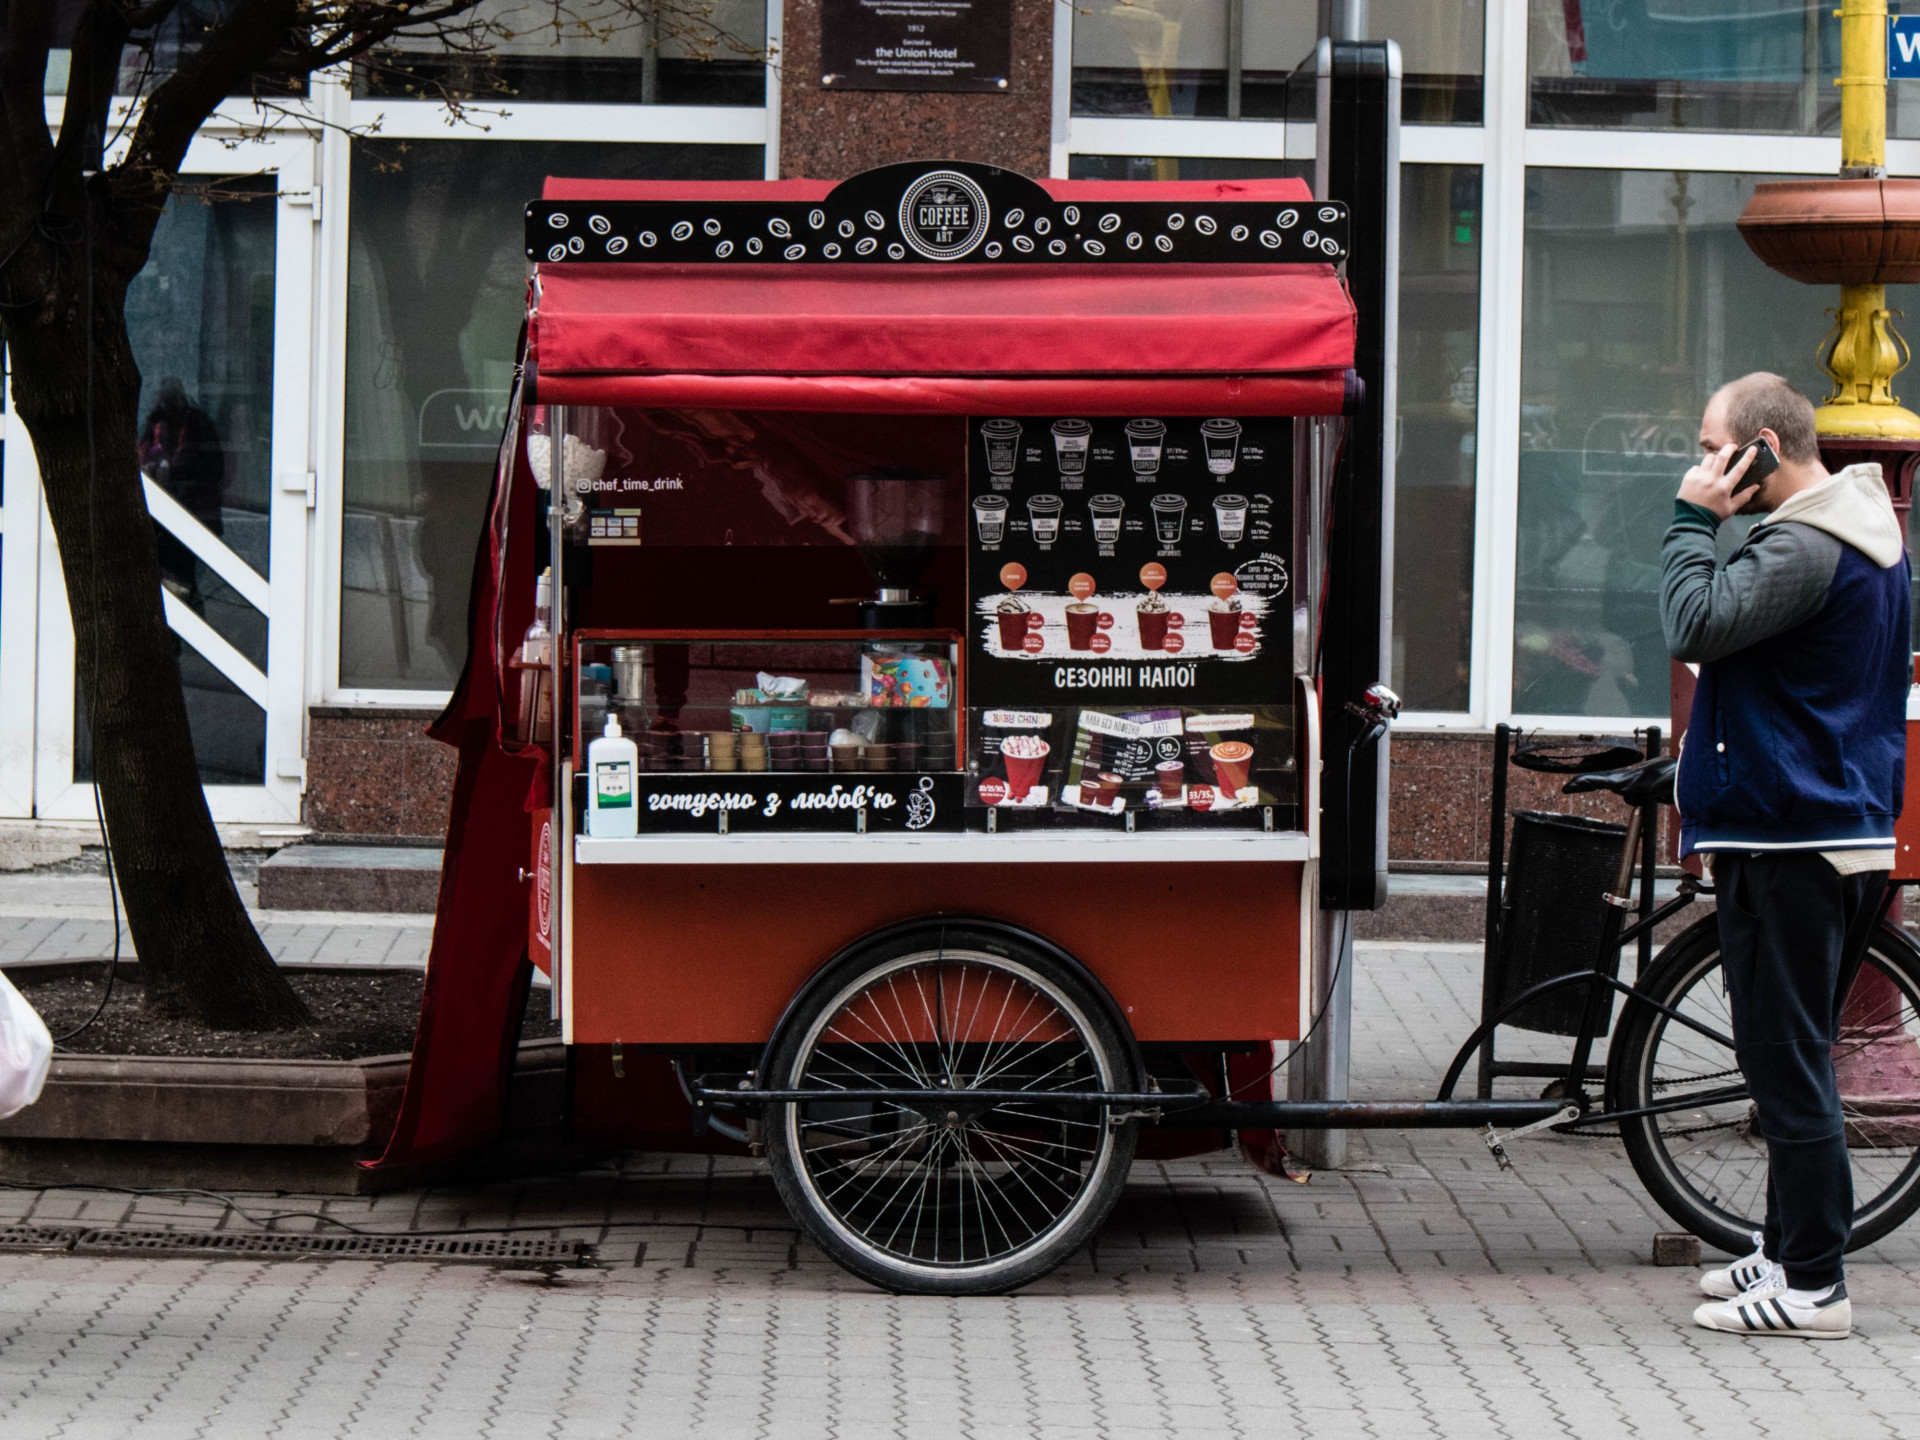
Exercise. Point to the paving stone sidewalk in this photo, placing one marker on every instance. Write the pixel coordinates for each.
(1419, 1292)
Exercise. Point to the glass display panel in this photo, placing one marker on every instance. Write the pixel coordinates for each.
(780, 733)
(1723, 65)
(1640, 301)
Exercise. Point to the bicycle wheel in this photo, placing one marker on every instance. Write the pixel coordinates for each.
(941, 1196)
(1705, 1164)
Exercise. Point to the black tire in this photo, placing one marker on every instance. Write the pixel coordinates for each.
(1705, 1166)
(946, 1200)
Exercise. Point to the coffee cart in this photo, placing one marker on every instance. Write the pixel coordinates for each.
(944, 544)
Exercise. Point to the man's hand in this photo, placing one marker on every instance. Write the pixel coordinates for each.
(1710, 484)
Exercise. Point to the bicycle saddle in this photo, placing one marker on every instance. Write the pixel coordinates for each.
(1649, 782)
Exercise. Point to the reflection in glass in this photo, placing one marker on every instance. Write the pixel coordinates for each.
(436, 292)
(1434, 472)
(1640, 300)
(586, 52)
(200, 316)
(1726, 65)
(1184, 167)
(1172, 57)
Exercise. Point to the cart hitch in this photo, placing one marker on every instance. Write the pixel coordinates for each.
(1496, 1142)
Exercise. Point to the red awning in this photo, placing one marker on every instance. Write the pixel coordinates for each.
(1247, 339)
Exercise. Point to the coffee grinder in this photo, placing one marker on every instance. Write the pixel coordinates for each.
(894, 512)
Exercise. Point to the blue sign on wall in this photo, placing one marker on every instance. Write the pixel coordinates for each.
(1903, 47)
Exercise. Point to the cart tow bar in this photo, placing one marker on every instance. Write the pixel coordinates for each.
(1497, 1143)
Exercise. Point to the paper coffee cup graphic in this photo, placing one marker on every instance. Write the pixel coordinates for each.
(1222, 439)
(1070, 441)
(1024, 755)
(1169, 516)
(1230, 515)
(1231, 761)
(1106, 517)
(1003, 445)
(1044, 512)
(1144, 440)
(1083, 621)
(990, 517)
(1223, 625)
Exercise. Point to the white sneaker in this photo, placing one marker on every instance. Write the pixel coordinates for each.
(1742, 1275)
(1773, 1309)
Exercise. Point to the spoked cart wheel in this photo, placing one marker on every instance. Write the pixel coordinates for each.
(1704, 1163)
(946, 1195)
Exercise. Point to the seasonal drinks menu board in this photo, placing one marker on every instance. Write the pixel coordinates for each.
(1130, 630)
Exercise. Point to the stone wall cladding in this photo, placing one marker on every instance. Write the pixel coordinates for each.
(1442, 785)
(828, 135)
(371, 770)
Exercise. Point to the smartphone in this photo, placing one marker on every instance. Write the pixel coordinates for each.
(1765, 462)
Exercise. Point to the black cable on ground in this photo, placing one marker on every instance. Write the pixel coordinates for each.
(93, 615)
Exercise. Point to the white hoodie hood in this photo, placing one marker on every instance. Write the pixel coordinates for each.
(1853, 507)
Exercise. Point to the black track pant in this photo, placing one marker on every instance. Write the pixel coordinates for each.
(1786, 919)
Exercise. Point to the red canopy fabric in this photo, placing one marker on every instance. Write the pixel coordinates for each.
(972, 320)
(841, 328)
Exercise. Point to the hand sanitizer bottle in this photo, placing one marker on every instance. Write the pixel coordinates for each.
(611, 762)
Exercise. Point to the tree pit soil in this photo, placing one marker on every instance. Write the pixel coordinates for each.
(354, 1016)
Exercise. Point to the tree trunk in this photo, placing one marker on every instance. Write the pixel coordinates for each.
(199, 954)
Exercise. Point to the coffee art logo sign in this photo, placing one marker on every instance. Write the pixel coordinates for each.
(919, 212)
(944, 215)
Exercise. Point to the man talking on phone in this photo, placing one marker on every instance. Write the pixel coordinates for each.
(1789, 783)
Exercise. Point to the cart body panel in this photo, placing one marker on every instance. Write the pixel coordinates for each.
(711, 954)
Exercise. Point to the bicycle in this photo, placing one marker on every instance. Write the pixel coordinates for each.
(1671, 1082)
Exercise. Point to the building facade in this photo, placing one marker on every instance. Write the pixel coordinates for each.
(338, 317)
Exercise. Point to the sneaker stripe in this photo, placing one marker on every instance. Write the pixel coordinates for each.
(1781, 1311)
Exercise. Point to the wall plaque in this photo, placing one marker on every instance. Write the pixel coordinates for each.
(916, 44)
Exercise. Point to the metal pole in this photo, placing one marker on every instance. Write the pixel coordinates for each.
(562, 788)
(1321, 1072)
(1493, 981)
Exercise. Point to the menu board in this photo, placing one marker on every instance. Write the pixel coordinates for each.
(1132, 561)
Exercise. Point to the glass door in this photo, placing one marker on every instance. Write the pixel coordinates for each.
(221, 326)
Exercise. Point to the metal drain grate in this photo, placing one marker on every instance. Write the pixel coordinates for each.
(504, 1250)
(458, 1249)
(39, 1237)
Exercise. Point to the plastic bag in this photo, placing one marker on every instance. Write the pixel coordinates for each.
(26, 1050)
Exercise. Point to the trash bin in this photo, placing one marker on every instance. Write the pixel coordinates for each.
(1551, 913)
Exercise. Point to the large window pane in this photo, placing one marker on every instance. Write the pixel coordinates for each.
(1439, 395)
(1640, 301)
(587, 52)
(200, 316)
(1764, 65)
(436, 290)
(1170, 57)
(1152, 57)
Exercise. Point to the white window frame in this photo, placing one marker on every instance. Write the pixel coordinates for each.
(1505, 148)
(37, 716)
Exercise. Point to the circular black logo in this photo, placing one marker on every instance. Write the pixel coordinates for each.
(943, 215)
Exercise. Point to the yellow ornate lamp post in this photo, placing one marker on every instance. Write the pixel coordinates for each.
(1859, 231)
